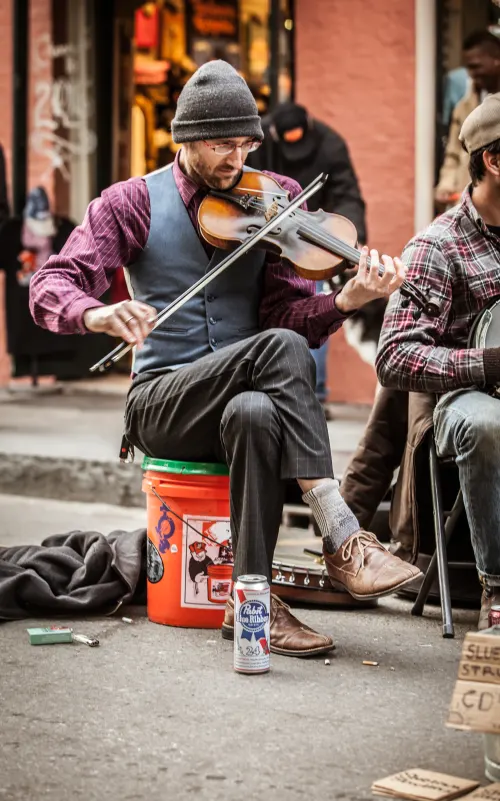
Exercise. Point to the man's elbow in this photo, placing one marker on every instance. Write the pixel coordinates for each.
(387, 374)
(35, 301)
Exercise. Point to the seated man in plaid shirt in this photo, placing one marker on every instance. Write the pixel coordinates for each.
(458, 257)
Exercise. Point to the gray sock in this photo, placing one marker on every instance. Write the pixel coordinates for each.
(333, 516)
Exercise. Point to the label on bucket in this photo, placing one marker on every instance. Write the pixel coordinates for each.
(206, 543)
(154, 567)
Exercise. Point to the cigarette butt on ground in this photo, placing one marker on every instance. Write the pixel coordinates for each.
(91, 641)
(370, 664)
(327, 661)
(127, 620)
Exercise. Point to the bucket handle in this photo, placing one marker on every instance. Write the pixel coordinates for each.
(162, 501)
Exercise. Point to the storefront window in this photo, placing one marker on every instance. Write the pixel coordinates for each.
(172, 39)
(63, 133)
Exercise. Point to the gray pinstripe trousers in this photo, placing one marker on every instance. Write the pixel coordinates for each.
(251, 405)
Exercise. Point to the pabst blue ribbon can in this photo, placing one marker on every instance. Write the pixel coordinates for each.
(252, 606)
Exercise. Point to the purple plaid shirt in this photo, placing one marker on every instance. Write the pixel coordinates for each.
(113, 234)
(459, 259)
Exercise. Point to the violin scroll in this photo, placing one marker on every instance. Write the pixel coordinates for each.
(421, 299)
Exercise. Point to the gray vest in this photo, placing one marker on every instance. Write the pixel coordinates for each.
(226, 311)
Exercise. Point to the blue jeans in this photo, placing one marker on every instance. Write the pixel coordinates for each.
(467, 428)
(319, 356)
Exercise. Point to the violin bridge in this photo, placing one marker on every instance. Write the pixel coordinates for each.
(271, 211)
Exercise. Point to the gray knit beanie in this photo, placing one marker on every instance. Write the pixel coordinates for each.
(215, 103)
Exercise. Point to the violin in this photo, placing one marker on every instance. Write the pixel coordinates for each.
(257, 211)
(318, 245)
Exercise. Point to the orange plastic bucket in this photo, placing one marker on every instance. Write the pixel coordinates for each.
(189, 558)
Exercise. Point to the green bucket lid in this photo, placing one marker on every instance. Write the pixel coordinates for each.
(188, 468)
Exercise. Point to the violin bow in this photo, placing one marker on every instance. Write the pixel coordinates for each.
(107, 362)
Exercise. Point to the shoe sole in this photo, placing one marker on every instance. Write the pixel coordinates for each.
(382, 593)
(228, 634)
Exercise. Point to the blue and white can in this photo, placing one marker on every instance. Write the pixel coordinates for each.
(252, 610)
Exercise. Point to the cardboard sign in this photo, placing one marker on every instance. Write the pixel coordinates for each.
(480, 659)
(423, 785)
(475, 706)
(478, 671)
(489, 793)
(482, 647)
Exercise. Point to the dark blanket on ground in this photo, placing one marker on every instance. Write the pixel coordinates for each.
(82, 572)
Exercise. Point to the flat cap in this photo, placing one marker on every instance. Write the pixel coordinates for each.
(482, 126)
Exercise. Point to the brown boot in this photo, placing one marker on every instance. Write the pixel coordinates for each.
(288, 636)
(489, 598)
(366, 569)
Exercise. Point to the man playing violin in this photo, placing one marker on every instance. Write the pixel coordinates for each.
(232, 379)
(458, 257)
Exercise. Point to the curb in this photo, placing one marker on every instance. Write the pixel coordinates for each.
(71, 479)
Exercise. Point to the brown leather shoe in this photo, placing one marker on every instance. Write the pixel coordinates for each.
(489, 598)
(289, 637)
(366, 569)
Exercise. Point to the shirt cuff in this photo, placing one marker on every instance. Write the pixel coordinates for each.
(327, 318)
(343, 315)
(76, 311)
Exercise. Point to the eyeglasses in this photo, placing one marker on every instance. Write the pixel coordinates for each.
(226, 148)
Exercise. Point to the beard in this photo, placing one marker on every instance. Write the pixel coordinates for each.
(221, 182)
(222, 177)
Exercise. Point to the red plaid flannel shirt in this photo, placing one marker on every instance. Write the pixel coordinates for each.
(458, 258)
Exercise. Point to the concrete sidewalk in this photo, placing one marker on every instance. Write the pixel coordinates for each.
(66, 445)
(157, 713)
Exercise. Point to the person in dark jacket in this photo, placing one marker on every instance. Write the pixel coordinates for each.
(297, 145)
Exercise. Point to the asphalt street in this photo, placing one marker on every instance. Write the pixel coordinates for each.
(157, 712)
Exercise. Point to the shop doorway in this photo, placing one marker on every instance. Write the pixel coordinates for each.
(456, 19)
(158, 45)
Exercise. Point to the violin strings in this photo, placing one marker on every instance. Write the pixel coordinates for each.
(344, 250)
(256, 191)
(332, 243)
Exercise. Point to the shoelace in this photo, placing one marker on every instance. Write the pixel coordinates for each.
(278, 601)
(362, 540)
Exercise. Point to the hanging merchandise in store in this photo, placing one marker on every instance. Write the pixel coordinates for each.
(171, 39)
(213, 31)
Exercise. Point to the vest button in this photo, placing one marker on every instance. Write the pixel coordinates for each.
(213, 342)
(210, 298)
(212, 320)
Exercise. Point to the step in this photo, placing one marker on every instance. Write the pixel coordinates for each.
(71, 479)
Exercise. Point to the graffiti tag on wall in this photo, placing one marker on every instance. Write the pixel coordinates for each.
(63, 109)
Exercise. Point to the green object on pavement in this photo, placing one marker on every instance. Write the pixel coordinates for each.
(50, 635)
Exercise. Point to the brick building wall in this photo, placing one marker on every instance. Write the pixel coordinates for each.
(39, 107)
(355, 70)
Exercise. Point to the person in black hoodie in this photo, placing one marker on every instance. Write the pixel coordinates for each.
(301, 147)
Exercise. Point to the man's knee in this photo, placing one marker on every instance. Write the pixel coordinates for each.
(290, 346)
(480, 431)
(460, 434)
(248, 411)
